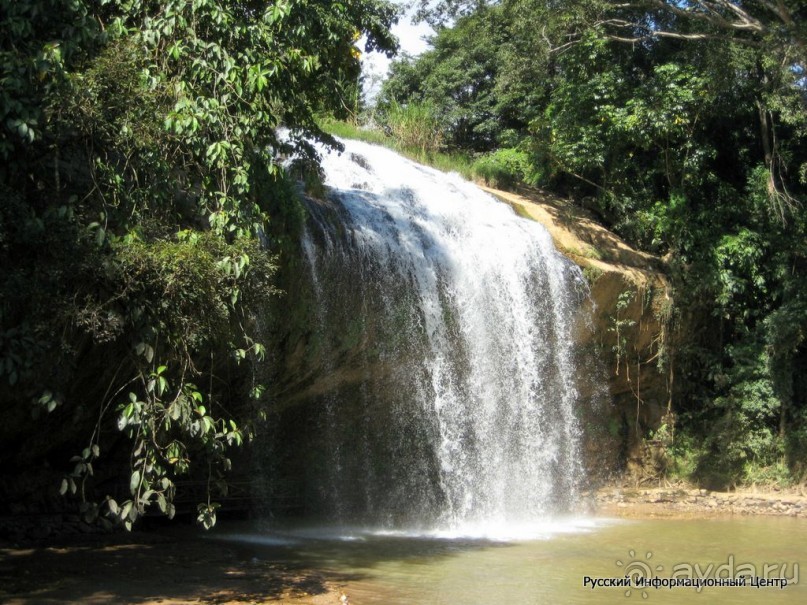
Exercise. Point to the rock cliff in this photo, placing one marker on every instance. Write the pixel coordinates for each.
(630, 307)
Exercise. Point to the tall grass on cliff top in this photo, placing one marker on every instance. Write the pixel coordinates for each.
(410, 132)
(410, 147)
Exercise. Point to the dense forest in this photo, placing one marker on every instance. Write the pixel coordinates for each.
(683, 126)
(143, 206)
(143, 203)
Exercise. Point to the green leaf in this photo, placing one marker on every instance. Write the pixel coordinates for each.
(126, 509)
(207, 424)
(134, 482)
(113, 506)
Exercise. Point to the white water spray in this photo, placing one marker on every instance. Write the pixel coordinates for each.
(462, 410)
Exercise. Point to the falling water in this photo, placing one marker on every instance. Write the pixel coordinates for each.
(444, 322)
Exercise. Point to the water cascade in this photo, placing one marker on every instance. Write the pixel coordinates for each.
(443, 331)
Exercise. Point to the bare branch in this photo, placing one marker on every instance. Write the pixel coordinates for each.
(709, 12)
(650, 34)
(764, 23)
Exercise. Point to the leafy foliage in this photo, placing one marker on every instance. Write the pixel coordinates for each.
(143, 209)
(505, 167)
(456, 81)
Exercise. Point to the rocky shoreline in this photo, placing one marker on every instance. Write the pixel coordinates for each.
(612, 500)
(693, 502)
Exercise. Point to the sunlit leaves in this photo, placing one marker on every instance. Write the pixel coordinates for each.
(207, 514)
(276, 11)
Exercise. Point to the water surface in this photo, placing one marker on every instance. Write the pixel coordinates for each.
(550, 563)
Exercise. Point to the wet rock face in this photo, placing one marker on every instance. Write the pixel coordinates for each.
(630, 327)
(628, 316)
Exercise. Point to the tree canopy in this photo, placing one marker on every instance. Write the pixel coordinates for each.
(142, 210)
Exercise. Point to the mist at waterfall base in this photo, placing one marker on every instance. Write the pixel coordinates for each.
(446, 395)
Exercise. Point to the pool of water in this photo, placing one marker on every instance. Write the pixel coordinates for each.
(550, 562)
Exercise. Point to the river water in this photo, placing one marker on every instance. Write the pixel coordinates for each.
(551, 565)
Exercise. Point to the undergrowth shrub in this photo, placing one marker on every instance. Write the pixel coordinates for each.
(505, 168)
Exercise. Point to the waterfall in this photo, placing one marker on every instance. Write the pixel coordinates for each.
(444, 332)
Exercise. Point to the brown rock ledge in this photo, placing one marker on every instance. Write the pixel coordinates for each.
(691, 502)
(627, 287)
